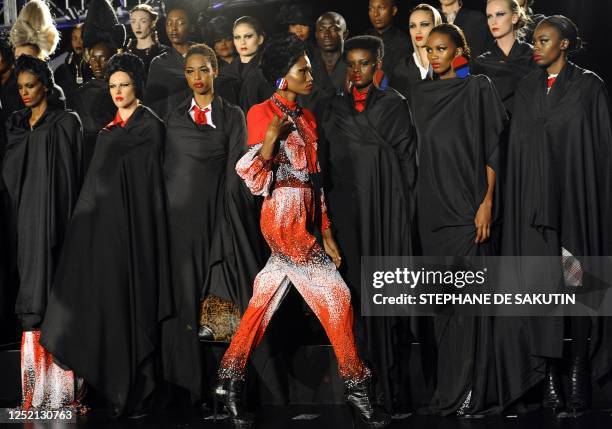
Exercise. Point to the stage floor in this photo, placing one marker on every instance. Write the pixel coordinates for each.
(334, 417)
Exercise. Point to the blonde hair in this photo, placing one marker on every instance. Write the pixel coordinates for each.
(523, 18)
(35, 26)
(435, 16)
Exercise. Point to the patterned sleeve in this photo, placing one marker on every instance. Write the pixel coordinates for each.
(255, 171)
(325, 222)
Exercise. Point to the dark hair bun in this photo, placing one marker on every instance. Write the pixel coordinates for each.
(130, 64)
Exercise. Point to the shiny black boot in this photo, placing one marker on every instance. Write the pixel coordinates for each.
(231, 394)
(580, 387)
(360, 397)
(553, 394)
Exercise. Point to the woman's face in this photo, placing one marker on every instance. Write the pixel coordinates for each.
(224, 48)
(28, 49)
(300, 30)
(31, 89)
(361, 66)
(200, 74)
(142, 24)
(421, 24)
(98, 60)
(76, 40)
(500, 18)
(441, 51)
(299, 77)
(247, 41)
(548, 46)
(122, 90)
(177, 27)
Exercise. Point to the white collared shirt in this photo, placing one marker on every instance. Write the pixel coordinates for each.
(209, 120)
(417, 61)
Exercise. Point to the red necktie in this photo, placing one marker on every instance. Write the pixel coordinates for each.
(199, 115)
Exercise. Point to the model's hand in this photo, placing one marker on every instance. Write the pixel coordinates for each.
(278, 128)
(331, 248)
(483, 222)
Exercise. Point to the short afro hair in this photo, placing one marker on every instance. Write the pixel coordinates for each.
(369, 43)
(36, 66)
(204, 50)
(130, 64)
(280, 54)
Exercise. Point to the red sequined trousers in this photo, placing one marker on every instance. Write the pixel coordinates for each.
(44, 384)
(296, 259)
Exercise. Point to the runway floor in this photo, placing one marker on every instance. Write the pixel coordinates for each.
(331, 417)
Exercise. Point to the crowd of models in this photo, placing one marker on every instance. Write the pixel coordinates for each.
(138, 179)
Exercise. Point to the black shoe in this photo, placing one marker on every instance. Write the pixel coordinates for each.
(580, 386)
(553, 394)
(359, 396)
(231, 394)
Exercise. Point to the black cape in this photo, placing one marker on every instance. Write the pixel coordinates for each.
(405, 75)
(10, 102)
(558, 193)
(42, 171)
(96, 109)
(459, 124)
(112, 286)
(215, 243)
(246, 82)
(147, 55)
(474, 25)
(506, 71)
(369, 161)
(166, 84)
(397, 45)
(66, 74)
(325, 85)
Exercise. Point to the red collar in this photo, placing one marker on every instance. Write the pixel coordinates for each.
(360, 98)
(117, 121)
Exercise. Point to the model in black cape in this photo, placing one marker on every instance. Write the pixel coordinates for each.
(112, 286)
(96, 109)
(506, 71)
(215, 244)
(459, 123)
(42, 172)
(369, 160)
(248, 83)
(558, 193)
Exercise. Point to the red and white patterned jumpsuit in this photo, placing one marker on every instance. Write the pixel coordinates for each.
(287, 217)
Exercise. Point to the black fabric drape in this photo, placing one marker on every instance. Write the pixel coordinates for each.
(214, 234)
(147, 55)
(459, 125)
(249, 85)
(369, 161)
(166, 84)
(506, 71)
(112, 286)
(558, 194)
(397, 45)
(66, 74)
(405, 75)
(474, 25)
(42, 171)
(96, 109)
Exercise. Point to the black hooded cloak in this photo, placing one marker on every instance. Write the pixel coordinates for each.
(558, 194)
(215, 243)
(42, 171)
(112, 286)
(247, 81)
(369, 160)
